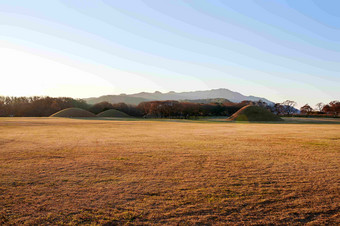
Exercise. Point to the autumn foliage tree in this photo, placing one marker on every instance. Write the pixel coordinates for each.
(332, 108)
(306, 109)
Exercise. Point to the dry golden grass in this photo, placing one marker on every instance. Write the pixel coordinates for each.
(69, 171)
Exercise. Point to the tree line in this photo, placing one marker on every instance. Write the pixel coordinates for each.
(331, 109)
(172, 109)
(37, 106)
(46, 106)
(287, 108)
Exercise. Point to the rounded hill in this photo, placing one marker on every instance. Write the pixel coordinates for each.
(112, 113)
(253, 114)
(73, 113)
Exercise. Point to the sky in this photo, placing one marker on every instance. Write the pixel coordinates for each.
(274, 49)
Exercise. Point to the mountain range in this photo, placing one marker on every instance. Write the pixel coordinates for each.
(193, 95)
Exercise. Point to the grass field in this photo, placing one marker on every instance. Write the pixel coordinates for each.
(70, 171)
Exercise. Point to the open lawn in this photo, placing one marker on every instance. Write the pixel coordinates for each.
(72, 171)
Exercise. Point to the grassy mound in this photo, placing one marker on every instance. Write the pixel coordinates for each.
(254, 113)
(113, 113)
(73, 113)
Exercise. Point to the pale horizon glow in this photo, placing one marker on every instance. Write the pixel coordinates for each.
(89, 49)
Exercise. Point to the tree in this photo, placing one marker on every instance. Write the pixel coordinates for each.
(2, 106)
(289, 106)
(319, 106)
(278, 109)
(261, 103)
(326, 109)
(335, 107)
(332, 108)
(100, 107)
(306, 109)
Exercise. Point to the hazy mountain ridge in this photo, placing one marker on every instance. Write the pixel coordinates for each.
(114, 99)
(193, 95)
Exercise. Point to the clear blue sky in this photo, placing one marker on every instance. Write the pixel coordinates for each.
(80, 48)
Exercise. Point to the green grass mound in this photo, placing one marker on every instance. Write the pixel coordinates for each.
(254, 113)
(73, 113)
(113, 113)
